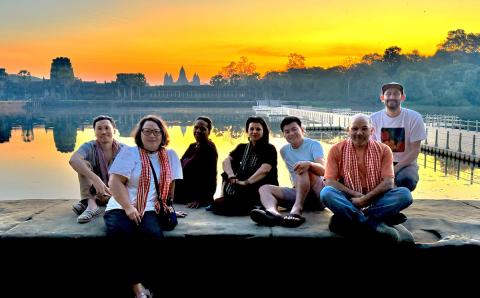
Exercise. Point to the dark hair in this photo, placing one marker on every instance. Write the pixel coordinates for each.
(290, 119)
(103, 117)
(137, 134)
(266, 132)
(206, 119)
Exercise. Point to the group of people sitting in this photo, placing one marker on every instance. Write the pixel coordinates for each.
(363, 182)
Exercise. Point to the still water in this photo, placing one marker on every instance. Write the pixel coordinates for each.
(35, 147)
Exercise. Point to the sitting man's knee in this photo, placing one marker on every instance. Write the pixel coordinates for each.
(265, 189)
(326, 194)
(302, 180)
(407, 182)
(405, 195)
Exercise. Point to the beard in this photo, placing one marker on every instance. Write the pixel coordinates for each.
(360, 140)
(392, 104)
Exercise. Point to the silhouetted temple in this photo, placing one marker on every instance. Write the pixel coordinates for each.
(182, 79)
(63, 85)
(61, 71)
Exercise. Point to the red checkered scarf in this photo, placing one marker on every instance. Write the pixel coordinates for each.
(373, 155)
(144, 181)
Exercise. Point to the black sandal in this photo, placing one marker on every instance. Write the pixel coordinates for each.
(265, 218)
(293, 220)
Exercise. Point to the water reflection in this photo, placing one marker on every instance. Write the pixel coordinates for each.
(460, 169)
(35, 148)
(66, 122)
(5, 130)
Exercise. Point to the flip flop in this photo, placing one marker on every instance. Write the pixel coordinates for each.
(293, 220)
(265, 218)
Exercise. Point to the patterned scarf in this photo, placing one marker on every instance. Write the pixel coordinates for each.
(101, 161)
(372, 161)
(248, 166)
(144, 181)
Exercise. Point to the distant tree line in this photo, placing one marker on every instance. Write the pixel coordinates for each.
(451, 77)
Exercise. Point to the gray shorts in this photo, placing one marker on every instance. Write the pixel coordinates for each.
(312, 201)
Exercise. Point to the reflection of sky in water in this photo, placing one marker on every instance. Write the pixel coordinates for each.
(32, 167)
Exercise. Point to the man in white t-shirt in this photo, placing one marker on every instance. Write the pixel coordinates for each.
(402, 130)
(306, 165)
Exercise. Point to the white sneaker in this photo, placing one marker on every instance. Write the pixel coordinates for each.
(88, 215)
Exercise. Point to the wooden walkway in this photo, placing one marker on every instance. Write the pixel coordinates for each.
(447, 136)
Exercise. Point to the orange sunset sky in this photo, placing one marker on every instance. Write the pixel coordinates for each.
(105, 37)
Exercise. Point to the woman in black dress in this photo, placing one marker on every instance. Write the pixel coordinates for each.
(247, 167)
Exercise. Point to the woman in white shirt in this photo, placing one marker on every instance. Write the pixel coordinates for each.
(131, 213)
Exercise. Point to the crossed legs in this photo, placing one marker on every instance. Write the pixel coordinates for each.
(87, 208)
(271, 196)
(390, 203)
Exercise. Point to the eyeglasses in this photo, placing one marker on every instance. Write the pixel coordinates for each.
(148, 132)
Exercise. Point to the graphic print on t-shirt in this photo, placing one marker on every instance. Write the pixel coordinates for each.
(394, 137)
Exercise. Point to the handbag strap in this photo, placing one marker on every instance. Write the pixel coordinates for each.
(156, 184)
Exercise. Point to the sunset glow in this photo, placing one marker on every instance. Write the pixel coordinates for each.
(103, 38)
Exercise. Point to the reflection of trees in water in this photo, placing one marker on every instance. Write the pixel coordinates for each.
(66, 121)
(183, 128)
(329, 136)
(221, 121)
(65, 132)
(217, 132)
(26, 122)
(235, 132)
(5, 130)
(226, 122)
(230, 121)
(450, 166)
(126, 122)
(27, 129)
(27, 135)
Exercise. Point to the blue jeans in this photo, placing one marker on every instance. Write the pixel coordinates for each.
(389, 203)
(407, 177)
(132, 240)
(121, 227)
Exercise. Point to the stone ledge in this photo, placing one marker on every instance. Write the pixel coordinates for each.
(434, 223)
(43, 244)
